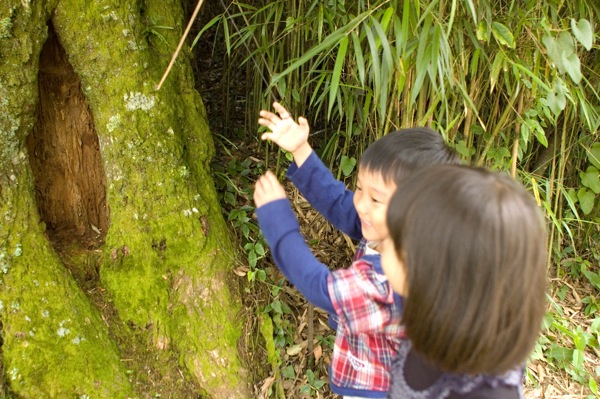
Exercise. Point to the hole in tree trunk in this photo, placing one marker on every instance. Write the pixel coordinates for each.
(65, 156)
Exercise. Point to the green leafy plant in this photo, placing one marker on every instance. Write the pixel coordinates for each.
(313, 384)
(153, 29)
(569, 355)
(234, 182)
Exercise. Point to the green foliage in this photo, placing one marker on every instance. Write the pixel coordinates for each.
(153, 30)
(313, 384)
(234, 183)
(564, 347)
(512, 88)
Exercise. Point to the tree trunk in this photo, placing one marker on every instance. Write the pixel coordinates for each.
(114, 256)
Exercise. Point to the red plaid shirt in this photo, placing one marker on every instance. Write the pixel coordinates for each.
(369, 330)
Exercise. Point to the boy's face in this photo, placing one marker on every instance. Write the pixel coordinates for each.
(371, 200)
(393, 267)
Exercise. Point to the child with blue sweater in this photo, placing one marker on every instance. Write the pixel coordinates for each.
(365, 308)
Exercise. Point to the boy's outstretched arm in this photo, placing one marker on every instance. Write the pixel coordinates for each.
(286, 133)
(288, 247)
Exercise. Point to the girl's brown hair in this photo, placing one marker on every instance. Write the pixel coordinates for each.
(473, 244)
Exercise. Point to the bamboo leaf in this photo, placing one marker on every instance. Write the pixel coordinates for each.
(387, 16)
(405, 22)
(525, 132)
(227, 38)
(452, 16)
(583, 32)
(213, 21)
(538, 131)
(593, 385)
(387, 67)
(399, 39)
(323, 47)
(503, 34)
(375, 66)
(320, 24)
(422, 62)
(475, 62)
(530, 74)
(495, 70)
(571, 198)
(337, 72)
(437, 55)
(472, 10)
(358, 56)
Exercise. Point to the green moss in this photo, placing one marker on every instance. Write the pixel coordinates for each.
(54, 342)
(5, 27)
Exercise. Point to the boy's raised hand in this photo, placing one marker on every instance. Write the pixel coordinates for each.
(286, 133)
(268, 189)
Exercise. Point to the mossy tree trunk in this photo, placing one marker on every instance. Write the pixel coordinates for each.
(111, 234)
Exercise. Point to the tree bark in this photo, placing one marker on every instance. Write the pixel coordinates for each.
(111, 233)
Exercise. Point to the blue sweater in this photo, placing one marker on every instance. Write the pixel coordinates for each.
(327, 195)
(291, 253)
(281, 230)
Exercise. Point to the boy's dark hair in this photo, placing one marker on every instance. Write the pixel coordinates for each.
(473, 243)
(397, 154)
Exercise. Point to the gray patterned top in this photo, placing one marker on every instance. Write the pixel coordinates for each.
(414, 378)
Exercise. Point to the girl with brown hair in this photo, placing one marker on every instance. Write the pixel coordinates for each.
(467, 251)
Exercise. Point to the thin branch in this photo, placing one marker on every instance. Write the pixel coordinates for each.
(181, 41)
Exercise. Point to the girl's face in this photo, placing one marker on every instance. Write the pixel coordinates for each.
(371, 200)
(393, 267)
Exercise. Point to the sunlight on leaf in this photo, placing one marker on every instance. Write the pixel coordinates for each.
(503, 34)
(586, 200)
(337, 72)
(568, 61)
(562, 53)
(592, 277)
(556, 99)
(573, 67)
(594, 155)
(593, 385)
(591, 179)
(347, 165)
(294, 350)
(583, 32)
(483, 32)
